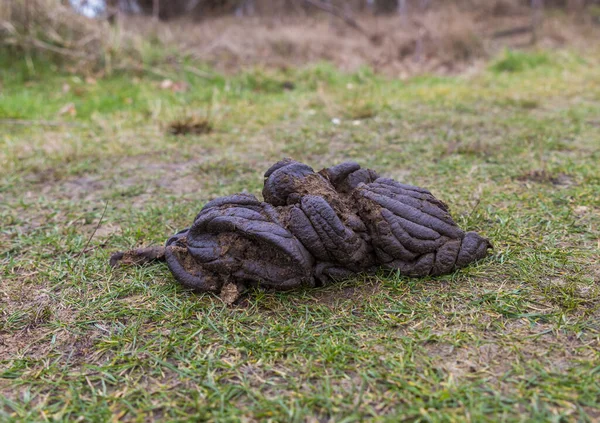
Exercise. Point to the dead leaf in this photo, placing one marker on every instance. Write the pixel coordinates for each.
(166, 84)
(176, 87)
(69, 109)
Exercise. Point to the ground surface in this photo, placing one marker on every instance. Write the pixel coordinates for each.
(514, 151)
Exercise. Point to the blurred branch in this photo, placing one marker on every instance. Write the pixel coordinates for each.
(144, 68)
(55, 49)
(199, 73)
(87, 244)
(335, 11)
(513, 31)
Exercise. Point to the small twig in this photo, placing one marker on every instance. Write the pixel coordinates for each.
(475, 207)
(514, 31)
(141, 68)
(78, 257)
(155, 71)
(58, 50)
(198, 72)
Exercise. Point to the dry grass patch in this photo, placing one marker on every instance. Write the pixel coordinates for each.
(444, 39)
(448, 38)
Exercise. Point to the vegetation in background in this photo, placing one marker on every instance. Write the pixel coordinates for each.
(426, 37)
(517, 61)
(89, 167)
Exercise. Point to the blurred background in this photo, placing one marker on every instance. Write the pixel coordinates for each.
(395, 37)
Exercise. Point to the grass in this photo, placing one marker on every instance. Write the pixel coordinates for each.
(515, 337)
(518, 61)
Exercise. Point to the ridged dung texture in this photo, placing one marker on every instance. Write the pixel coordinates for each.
(314, 227)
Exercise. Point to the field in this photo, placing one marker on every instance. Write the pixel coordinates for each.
(91, 166)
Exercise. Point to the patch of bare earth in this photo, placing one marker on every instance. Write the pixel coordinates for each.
(25, 332)
(543, 176)
(520, 342)
(336, 296)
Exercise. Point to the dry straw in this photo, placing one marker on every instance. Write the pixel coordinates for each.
(55, 30)
(442, 37)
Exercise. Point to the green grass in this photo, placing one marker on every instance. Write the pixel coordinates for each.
(515, 337)
(518, 61)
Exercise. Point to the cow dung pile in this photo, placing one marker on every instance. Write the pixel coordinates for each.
(313, 228)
